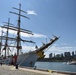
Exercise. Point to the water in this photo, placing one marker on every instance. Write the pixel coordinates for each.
(59, 66)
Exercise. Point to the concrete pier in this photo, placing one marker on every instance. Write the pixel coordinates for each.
(11, 70)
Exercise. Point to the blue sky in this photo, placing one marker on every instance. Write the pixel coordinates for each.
(47, 18)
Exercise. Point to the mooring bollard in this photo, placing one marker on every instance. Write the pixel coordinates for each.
(16, 66)
(1, 63)
(34, 67)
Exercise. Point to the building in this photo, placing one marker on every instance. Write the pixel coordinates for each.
(67, 54)
(73, 53)
(50, 55)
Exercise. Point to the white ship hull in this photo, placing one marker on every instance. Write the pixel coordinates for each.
(8, 60)
(27, 59)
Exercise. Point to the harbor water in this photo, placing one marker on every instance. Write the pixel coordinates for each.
(59, 66)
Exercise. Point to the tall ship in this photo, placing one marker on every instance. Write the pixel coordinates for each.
(22, 59)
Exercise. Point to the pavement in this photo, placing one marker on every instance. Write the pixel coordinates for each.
(11, 70)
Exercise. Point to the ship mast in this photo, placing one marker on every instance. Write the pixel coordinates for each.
(18, 33)
(6, 40)
(6, 43)
(19, 29)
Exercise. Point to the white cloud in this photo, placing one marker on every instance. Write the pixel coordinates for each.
(32, 12)
(39, 35)
(64, 44)
(24, 34)
(35, 35)
(28, 48)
